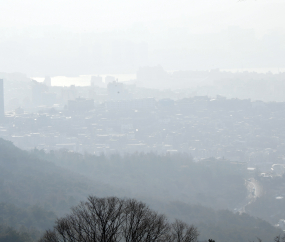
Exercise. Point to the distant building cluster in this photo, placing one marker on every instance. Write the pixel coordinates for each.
(114, 117)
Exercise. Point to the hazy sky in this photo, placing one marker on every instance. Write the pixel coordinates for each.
(98, 15)
(53, 37)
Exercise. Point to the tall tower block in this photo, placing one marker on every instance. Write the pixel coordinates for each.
(1, 99)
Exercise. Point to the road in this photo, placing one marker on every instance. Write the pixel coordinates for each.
(254, 190)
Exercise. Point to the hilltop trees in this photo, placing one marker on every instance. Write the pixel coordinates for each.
(113, 219)
(8, 234)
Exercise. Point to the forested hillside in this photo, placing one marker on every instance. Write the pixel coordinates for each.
(34, 189)
(30, 222)
(221, 225)
(214, 183)
(27, 180)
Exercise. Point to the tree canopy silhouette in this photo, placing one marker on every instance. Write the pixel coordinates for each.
(113, 219)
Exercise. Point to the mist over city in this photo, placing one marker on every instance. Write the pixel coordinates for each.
(142, 121)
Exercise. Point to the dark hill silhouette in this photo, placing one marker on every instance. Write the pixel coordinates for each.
(26, 180)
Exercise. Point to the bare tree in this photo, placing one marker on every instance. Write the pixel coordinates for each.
(114, 220)
(142, 224)
(98, 219)
(279, 238)
(182, 232)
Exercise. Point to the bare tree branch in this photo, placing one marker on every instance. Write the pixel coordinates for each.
(113, 220)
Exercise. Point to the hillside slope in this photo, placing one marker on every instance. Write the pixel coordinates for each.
(30, 186)
(26, 180)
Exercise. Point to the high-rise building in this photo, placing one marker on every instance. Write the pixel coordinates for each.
(47, 81)
(96, 80)
(38, 90)
(109, 79)
(1, 99)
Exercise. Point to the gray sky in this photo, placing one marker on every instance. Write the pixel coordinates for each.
(70, 37)
(97, 15)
